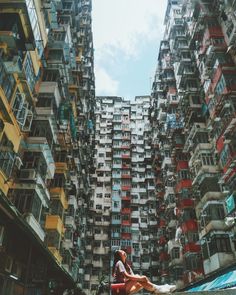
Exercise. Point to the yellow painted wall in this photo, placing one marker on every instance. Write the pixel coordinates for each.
(61, 167)
(41, 22)
(13, 134)
(54, 222)
(4, 186)
(56, 254)
(59, 193)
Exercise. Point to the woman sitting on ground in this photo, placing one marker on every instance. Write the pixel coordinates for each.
(123, 273)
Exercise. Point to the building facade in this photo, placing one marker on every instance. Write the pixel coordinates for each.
(47, 95)
(124, 202)
(193, 119)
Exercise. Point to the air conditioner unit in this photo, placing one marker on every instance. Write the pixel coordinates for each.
(28, 174)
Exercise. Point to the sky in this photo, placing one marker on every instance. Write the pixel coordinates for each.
(126, 36)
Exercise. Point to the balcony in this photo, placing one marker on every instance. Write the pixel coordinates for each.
(101, 250)
(173, 244)
(68, 243)
(72, 201)
(126, 176)
(136, 265)
(143, 225)
(189, 226)
(191, 247)
(150, 187)
(70, 222)
(126, 187)
(135, 214)
(61, 167)
(40, 144)
(145, 265)
(15, 16)
(183, 184)
(101, 237)
(166, 162)
(213, 225)
(126, 198)
(125, 211)
(59, 193)
(30, 219)
(98, 264)
(7, 160)
(164, 256)
(54, 222)
(176, 261)
(125, 156)
(218, 261)
(152, 223)
(126, 223)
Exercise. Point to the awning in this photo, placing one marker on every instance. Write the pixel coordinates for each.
(227, 280)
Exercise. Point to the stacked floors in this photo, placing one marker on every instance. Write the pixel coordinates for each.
(143, 201)
(193, 119)
(124, 200)
(46, 143)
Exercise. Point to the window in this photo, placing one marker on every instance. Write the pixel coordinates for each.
(183, 174)
(193, 262)
(26, 201)
(175, 253)
(97, 244)
(136, 247)
(218, 243)
(116, 204)
(125, 217)
(220, 86)
(125, 243)
(224, 156)
(207, 159)
(126, 229)
(106, 243)
(215, 212)
(99, 207)
(115, 243)
(116, 217)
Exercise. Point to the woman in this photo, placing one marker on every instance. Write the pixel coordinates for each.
(123, 273)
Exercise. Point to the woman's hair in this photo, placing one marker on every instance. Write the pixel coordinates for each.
(116, 259)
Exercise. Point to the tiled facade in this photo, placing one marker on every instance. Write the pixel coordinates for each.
(46, 143)
(124, 202)
(194, 123)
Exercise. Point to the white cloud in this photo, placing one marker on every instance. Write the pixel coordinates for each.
(121, 29)
(126, 24)
(105, 85)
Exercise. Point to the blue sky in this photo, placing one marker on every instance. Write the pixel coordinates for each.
(126, 42)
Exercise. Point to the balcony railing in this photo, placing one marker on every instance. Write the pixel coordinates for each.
(7, 162)
(40, 144)
(54, 222)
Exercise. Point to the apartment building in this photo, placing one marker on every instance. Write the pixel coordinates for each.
(124, 202)
(46, 143)
(193, 120)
